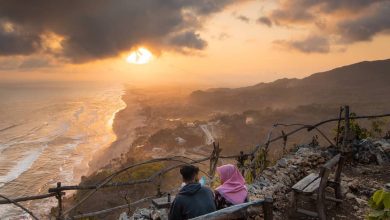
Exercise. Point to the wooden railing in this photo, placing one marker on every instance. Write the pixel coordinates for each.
(241, 211)
(59, 191)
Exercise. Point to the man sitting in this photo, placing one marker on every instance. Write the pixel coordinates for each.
(193, 200)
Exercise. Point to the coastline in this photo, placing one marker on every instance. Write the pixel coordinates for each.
(124, 126)
(155, 125)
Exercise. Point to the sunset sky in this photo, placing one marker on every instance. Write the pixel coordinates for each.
(215, 42)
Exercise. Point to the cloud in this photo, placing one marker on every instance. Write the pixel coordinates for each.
(243, 18)
(12, 43)
(25, 62)
(223, 36)
(34, 63)
(305, 11)
(364, 28)
(265, 21)
(311, 44)
(188, 40)
(347, 21)
(98, 29)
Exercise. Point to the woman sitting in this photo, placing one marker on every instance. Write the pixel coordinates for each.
(232, 190)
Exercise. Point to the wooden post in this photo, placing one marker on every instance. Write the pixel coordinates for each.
(241, 163)
(214, 161)
(337, 179)
(159, 193)
(267, 208)
(59, 198)
(324, 173)
(265, 155)
(338, 128)
(284, 143)
(253, 166)
(346, 130)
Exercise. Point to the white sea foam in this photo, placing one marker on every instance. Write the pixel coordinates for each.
(21, 166)
(78, 112)
(73, 126)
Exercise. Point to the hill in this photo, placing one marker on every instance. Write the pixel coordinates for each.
(364, 83)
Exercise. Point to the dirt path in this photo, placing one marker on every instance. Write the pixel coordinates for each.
(209, 139)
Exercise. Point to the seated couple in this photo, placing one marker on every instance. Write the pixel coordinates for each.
(194, 200)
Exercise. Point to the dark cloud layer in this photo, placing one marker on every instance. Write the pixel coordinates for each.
(15, 43)
(364, 28)
(351, 20)
(303, 11)
(95, 29)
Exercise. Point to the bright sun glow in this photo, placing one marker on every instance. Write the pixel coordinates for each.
(140, 56)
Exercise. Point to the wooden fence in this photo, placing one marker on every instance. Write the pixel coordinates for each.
(245, 161)
(241, 211)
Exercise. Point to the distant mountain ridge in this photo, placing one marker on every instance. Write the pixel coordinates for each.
(364, 82)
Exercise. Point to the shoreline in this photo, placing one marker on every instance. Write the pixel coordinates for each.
(124, 125)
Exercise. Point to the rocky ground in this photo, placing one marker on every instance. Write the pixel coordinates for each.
(361, 177)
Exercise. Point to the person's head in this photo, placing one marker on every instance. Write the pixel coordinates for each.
(232, 187)
(189, 173)
(229, 172)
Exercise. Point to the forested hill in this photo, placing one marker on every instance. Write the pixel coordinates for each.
(363, 83)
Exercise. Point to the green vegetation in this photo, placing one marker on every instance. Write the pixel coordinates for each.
(111, 197)
(359, 132)
(377, 127)
(146, 171)
(259, 164)
(380, 205)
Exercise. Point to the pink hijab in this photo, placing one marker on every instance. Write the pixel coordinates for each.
(233, 187)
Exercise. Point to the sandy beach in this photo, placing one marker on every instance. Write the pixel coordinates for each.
(125, 123)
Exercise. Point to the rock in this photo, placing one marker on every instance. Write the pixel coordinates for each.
(141, 214)
(302, 151)
(262, 181)
(356, 170)
(354, 185)
(384, 145)
(350, 196)
(344, 187)
(321, 160)
(282, 162)
(123, 216)
(368, 151)
(251, 189)
(361, 202)
(160, 214)
(387, 186)
(180, 140)
(379, 158)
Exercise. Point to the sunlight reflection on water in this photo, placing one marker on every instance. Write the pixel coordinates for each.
(49, 133)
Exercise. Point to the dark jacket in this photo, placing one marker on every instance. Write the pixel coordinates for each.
(192, 201)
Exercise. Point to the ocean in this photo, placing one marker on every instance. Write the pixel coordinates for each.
(49, 131)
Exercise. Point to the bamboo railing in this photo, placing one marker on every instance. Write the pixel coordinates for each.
(59, 191)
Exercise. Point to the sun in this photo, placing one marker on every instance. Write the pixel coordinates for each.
(140, 56)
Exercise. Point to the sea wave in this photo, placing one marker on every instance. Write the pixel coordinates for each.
(55, 141)
(9, 127)
(21, 166)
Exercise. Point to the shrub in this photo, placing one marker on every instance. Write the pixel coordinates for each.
(380, 205)
(377, 128)
(260, 163)
(358, 131)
